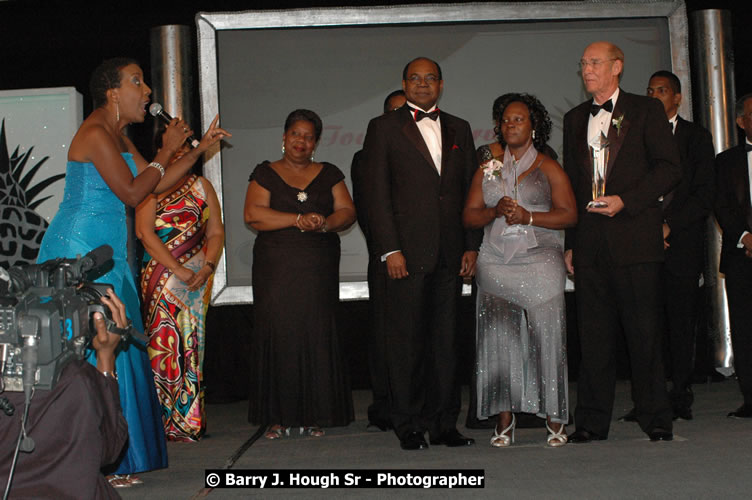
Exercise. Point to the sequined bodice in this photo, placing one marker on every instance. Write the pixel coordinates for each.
(90, 215)
(86, 191)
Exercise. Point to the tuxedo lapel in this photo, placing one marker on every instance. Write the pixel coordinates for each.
(410, 129)
(583, 149)
(616, 134)
(681, 133)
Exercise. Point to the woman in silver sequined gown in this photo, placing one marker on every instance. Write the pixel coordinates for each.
(521, 329)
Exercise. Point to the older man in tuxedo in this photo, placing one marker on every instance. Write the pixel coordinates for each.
(734, 214)
(418, 166)
(616, 250)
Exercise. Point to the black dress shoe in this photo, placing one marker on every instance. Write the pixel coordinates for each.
(453, 439)
(744, 411)
(582, 436)
(378, 425)
(630, 416)
(413, 441)
(659, 434)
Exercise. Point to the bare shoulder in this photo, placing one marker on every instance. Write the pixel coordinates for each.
(208, 186)
(91, 138)
(550, 167)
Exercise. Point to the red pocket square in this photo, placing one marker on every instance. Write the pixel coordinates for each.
(455, 147)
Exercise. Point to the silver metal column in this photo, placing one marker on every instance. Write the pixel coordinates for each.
(714, 109)
(172, 84)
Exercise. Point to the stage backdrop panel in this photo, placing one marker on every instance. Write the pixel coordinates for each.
(256, 67)
(39, 125)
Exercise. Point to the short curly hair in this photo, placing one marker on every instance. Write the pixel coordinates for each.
(107, 76)
(305, 115)
(539, 119)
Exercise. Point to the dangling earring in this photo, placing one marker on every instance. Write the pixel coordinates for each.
(312, 155)
(283, 148)
(117, 112)
(533, 134)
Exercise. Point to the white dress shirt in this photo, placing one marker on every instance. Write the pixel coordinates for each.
(673, 121)
(431, 132)
(602, 121)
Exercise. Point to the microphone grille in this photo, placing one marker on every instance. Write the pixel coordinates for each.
(155, 109)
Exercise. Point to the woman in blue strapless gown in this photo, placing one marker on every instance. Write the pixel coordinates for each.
(104, 173)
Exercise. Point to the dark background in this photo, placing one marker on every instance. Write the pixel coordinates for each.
(59, 43)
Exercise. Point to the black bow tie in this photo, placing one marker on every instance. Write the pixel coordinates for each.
(747, 147)
(419, 115)
(595, 109)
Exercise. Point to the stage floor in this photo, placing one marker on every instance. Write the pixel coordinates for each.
(710, 457)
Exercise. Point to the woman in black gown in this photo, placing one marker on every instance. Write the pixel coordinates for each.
(297, 206)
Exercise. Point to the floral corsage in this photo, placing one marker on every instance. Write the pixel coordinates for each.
(492, 168)
(616, 122)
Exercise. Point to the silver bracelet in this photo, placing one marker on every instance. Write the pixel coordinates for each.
(158, 166)
(109, 375)
(530, 223)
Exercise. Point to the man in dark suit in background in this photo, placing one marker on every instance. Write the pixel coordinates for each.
(418, 168)
(378, 411)
(616, 250)
(685, 210)
(734, 214)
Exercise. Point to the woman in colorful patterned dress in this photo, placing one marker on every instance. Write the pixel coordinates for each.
(183, 235)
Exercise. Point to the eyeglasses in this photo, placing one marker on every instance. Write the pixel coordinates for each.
(595, 63)
(428, 79)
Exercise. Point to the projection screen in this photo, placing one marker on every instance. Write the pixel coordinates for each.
(257, 66)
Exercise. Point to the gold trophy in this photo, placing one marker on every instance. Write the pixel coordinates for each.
(599, 154)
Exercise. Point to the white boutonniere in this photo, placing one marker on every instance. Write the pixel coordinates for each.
(616, 122)
(492, 168)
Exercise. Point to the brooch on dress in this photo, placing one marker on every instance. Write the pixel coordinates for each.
(302, 196)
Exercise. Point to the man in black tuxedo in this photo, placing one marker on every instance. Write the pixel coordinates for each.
(734, 214)
(616, 250)
(685, 210)
(418, 166)
(378, 410)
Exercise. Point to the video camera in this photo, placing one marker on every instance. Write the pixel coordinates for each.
(47, 317)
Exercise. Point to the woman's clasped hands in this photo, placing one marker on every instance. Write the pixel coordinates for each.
(511, 211)
(310, 222)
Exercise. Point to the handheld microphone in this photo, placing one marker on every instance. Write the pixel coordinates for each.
(156, 111)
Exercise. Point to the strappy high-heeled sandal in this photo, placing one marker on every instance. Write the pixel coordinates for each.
(276, 431)
(506, 437)
(119, 481)
(314, 431)
(556, 439)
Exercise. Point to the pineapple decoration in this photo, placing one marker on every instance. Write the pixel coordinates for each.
(21, 228)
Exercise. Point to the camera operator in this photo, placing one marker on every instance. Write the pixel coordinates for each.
(77, 428)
